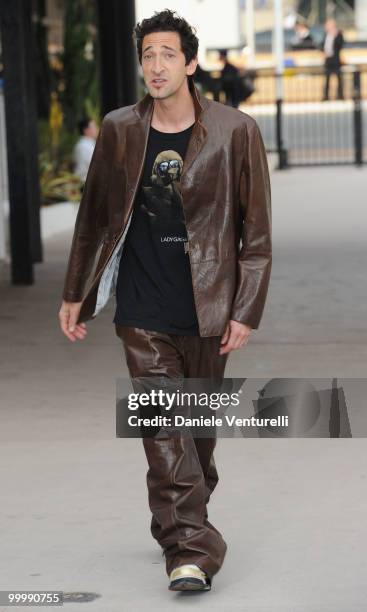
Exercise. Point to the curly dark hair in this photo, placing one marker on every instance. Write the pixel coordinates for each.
(168, 21)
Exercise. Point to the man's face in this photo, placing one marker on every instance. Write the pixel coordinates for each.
(330, 26)
(163, 64)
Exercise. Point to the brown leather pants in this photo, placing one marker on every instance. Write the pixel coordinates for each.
(182, 473)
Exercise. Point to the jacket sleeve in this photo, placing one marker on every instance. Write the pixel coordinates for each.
(90, 219)
(255, 255)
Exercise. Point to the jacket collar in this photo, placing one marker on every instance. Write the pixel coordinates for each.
(137, 135)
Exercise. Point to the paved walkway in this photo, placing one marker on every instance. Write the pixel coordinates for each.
(74, 512)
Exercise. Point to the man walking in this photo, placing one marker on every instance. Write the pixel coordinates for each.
(332, 45)
(175, 220)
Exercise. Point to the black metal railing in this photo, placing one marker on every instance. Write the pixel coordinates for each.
(301, 127)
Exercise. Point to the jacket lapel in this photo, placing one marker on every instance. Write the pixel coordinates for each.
(196, 143)
(199, 131)
(136, 142)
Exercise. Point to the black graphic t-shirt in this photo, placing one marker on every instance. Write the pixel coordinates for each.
(154, 285)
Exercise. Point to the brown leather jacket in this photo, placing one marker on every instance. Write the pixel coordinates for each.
(226, 198)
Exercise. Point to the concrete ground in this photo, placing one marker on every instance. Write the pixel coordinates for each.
(74, 513)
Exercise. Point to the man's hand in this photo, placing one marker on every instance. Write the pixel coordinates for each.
(68, 316)
(235, 336)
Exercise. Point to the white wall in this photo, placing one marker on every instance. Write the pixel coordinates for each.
(217, 21)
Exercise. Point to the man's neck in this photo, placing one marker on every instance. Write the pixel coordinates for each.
(176, 113)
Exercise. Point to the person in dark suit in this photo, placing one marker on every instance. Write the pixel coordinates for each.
(332, 44)
(206, 82)
(230, 77)
(237, 84)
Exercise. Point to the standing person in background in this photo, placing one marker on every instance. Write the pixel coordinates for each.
(230, 76)
(237, 84)
(332, 44)
(84, 148)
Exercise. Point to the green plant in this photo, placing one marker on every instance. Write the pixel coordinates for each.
(65, 187)
(57, 180)
(80, 92)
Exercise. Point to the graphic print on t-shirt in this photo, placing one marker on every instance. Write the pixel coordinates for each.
(163, 200)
